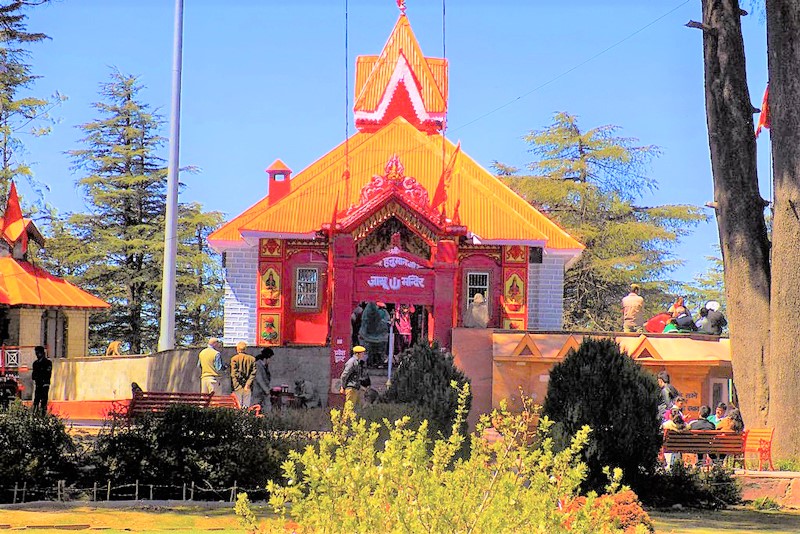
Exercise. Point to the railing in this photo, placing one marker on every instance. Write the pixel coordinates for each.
(11, 357)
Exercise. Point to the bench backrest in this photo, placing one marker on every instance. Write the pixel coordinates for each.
(225, 401)
(704, 441)
(754, 437)
(158, 401)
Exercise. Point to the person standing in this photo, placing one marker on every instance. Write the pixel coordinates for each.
(41, 374)
(261, 380)
(243, 373)
(351, 376)
(210, 363)
(633, 310)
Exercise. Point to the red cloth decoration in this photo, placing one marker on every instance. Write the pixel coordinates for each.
(13, 222)
(440, 196)
(764, 119)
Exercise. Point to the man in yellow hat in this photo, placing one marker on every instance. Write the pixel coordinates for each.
(351, 376)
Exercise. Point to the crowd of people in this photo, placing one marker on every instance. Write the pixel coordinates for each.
(677, 318)
(673, 414)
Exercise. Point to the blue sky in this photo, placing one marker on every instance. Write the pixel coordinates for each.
(265, 79)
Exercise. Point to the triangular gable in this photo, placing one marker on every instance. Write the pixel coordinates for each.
(401, 60)
(645, 349)
(526, 347)
(570, 344)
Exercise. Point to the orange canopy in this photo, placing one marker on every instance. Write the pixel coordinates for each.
(24, 284)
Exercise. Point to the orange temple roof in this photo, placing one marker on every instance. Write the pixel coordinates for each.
(491, 211)
(23, 284)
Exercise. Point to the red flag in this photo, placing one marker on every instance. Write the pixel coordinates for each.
(763, 118)
(13, 222)
(440, 196)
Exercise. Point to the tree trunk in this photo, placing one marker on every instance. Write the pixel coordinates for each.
(740, 208)
(783, 34)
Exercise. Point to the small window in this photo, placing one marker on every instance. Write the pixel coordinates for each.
(477, 283)
(307, 288)
(279, 176)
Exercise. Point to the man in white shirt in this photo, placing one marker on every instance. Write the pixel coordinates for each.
(633, 310)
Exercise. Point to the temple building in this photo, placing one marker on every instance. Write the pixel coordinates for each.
(36, 308)
(397, 213)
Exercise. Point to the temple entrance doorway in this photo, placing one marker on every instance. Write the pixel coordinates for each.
(388, 328)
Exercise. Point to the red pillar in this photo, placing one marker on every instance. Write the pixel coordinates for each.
(445, 265)
(342, 261)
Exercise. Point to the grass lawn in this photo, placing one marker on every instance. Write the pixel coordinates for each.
(738, 520)
(127, 517)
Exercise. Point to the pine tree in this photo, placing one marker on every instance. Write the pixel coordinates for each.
(424, 377)
(599, 386)
(588, 182)
(20, 113)
(116, 249)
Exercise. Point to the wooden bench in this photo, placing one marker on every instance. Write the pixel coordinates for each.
(232, 402)
(705, 442)
(158, 401)
(758, 441)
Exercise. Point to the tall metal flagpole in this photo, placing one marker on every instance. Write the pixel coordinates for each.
(166, 338)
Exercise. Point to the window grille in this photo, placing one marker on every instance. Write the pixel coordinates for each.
(477, 282)
(307, 288)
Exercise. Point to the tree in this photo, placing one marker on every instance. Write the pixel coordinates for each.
(20, 113)
(121, 238)
(588, 182)
(709, 285)
(760, 273)
(600, 387)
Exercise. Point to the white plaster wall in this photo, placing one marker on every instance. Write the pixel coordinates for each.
(546, 293)
(241, 268)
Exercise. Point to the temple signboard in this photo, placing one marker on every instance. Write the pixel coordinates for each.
(411, 286)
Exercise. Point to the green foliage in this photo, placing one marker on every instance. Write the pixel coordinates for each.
(765, 503)
(20, 113)
(35, 449)
(589, 182)
(600, 387)
(115, 250)
(692, 487)
(424, 378)
(787, 464)
(706, 286)
(346, 485)
(210, 446)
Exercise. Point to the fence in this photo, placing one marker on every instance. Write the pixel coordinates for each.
(107, 491)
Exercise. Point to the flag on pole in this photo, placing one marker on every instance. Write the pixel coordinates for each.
(763, 118)
(13, 222)
(440, 196)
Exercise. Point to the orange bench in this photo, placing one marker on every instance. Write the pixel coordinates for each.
(705, 442)
(759, 441)
(158, 401)
(231, 401)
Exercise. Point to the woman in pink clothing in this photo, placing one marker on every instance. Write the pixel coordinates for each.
(402, 318)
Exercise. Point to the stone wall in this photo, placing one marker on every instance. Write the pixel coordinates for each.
(241, 268)
(546, 293)
(110, 378)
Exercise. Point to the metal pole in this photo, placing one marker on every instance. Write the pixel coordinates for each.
(166, 338)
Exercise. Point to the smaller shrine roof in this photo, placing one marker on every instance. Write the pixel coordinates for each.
(23, 284)
(278, 166)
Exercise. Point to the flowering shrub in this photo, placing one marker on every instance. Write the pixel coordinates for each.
(347, 484)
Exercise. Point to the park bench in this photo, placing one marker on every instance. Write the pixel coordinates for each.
(758, 441)
(231, 401)
(158, 401)
(705, 442)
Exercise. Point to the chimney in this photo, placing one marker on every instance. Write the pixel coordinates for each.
(279, 184)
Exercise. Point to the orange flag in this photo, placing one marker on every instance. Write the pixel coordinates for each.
(13, 222)
(763, 118)
(440, 196)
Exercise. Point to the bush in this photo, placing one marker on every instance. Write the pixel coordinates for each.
(505, 486)
(213, 447)
(765, 503)
(692, 487)
(601, 387)
(35, 449)
(423, 378)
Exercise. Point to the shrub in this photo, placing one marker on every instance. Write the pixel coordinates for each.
(601, 387)
(213, 447)
(765, 503)
(505, 486)
(423, 378)
(692, 487)
(35, 449)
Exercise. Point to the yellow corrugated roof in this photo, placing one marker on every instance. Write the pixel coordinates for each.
(489, 209)
(24, 284)
(374, 72)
